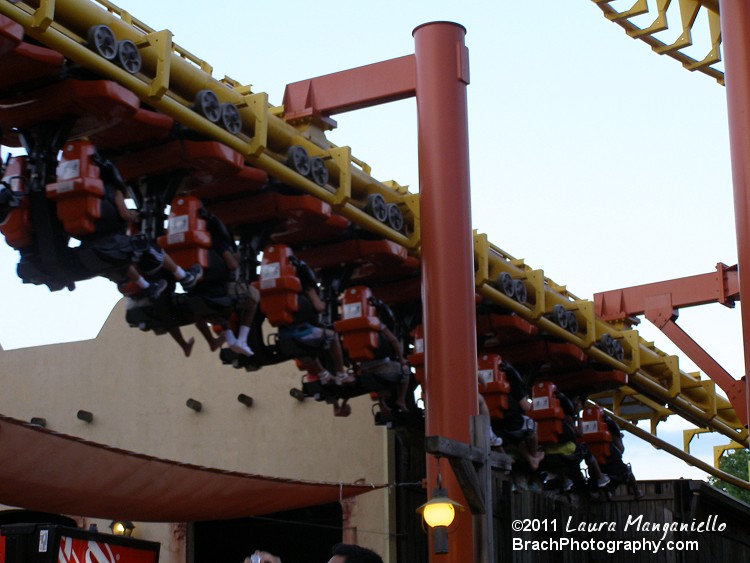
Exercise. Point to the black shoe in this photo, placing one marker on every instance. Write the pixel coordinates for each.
(154, 291)
(191, 277)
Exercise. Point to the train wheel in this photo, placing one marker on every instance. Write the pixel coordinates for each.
(607, 344)
(298, 160)
(128, 56)
(103, 42)
(377, 207)
(230, 118)
(505, 283)
(318, 171)
(559, 317)
(519, 288)
(618, 352)
(207, 105)
(571, 321)
(395, 217)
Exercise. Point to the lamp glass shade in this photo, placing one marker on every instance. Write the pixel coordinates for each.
(122, 527)
(438, 512)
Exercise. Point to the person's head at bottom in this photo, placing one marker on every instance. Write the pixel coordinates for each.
(340, 553)
(346, 553)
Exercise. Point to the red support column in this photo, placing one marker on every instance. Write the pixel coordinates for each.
(735, 32)
(442, 74)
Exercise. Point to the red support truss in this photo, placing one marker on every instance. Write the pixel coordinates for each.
(660, 303)
(349, 90)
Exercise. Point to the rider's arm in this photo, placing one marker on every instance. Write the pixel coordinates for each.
(129, 215)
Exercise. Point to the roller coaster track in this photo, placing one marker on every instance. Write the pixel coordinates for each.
(648, 22)
(643, 383)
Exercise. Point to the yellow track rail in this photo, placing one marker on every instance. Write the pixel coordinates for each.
(655, 14)
(169, 80)
(655, 380)
(677, 452)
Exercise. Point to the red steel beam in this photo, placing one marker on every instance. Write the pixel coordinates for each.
(735, 389)
(349, 90)
(735, 32)
(442, 74)
(660, 303)
(721, 286)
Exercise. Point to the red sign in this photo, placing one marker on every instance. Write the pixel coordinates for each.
(74, 550)
(2, 549)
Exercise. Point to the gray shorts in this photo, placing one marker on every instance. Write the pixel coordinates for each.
(387, 370)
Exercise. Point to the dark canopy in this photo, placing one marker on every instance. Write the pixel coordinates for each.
(51, 472)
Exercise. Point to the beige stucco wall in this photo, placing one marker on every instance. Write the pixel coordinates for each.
(136, 385)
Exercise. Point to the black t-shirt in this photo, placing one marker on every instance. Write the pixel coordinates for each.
(306, 275)
(567, 405)
(109, 221)
(306, 312)
(611, 425)
(517, 392)
(221, 237)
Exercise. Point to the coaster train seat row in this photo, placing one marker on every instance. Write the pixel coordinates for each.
(146, 255)
(91, 145)
(550, 434)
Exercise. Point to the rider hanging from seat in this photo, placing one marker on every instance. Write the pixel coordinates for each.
(516, 427)
(245, 296)
(614, 466)
(492, 382)
(367, 331)
(392, 365)
(196, 236)
(569, 450)
(290, 301)
(106, 237)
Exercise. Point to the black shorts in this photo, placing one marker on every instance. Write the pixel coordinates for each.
(115, 249)
(615, 467)
(517, 428)
(150, 260)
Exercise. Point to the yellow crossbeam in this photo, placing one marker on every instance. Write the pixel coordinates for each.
(690, 11)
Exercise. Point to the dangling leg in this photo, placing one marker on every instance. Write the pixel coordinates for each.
(214, 342)
(248, 314)
(152, 290)
(187, 279)
(186, 345)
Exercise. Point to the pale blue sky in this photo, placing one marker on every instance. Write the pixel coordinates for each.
(592, 157)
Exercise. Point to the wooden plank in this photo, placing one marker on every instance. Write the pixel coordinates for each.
(445, 447)
(466, 475)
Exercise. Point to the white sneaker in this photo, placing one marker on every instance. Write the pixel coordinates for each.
(241, 347)
(344, 378)
(325, 377)
(495, 441)
(603, 482)
(229, 338)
